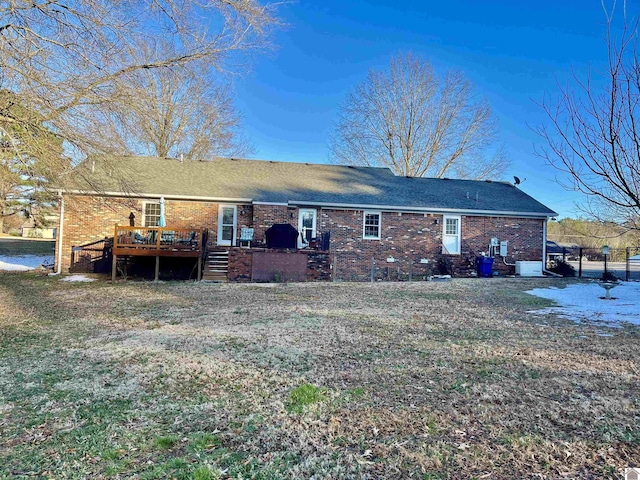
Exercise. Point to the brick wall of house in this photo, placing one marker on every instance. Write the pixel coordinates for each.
(408, 237)
(523, 234)
(89, 218)
(241, 263)
(265, 216)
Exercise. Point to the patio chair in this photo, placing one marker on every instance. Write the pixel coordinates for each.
(191, 241)
(246, 236)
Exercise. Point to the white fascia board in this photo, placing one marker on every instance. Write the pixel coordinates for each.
(158, 195)
(442, 211)
(277, 204)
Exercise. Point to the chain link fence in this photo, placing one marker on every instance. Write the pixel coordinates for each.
(624, 263)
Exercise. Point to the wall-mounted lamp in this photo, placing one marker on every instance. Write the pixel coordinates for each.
(436, 221)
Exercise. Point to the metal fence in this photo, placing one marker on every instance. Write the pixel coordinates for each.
(92, 257)
(624, 263)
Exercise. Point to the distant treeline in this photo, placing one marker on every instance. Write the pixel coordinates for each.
(592, 234)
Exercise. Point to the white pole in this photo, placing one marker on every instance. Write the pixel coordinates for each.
(60, 238)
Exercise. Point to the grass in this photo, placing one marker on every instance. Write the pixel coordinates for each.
(25, 246)
(304, 395)
(421, 380)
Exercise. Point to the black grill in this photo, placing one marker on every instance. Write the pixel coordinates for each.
(281, 235)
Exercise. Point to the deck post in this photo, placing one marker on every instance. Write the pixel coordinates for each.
(157, 268)
(113, 268)
(199, 268)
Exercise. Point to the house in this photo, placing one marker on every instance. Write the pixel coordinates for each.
(371, 220)
(32, 229)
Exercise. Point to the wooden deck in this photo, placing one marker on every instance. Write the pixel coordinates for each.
(158, 242)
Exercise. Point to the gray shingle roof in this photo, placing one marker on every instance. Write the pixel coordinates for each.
(302, 183)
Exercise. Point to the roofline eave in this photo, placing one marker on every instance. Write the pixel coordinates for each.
(399, 208)
(348, 206)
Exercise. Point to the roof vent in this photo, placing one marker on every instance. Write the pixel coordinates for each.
(489, 181)
(350, 166)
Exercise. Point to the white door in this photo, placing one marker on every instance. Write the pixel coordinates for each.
(227, 221)
(451, 236)
(306, 226)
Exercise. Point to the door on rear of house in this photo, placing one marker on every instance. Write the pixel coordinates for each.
(306, 226)
(451, 235)
(227, 222)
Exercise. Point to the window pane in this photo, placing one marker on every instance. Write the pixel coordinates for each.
(451, 226)
(227, 233)
(372, 219)
(227, 216)
(151, 214)
(307, 220)
(152, 209)
(372, 225)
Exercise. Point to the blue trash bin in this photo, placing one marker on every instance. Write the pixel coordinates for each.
(484, 266)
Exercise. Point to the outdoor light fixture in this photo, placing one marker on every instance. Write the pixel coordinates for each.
(605, 250)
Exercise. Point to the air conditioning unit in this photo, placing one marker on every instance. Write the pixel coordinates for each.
(529, 269)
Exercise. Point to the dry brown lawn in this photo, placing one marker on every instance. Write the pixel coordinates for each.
(390, 380)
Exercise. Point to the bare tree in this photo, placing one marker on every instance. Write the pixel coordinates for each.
(593, 134)
(173, 112)
(417, 124)
(69, 60)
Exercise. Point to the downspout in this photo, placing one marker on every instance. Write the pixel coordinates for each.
(60, 232)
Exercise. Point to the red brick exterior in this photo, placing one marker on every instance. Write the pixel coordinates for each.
(264, 216)
(241, 263)
(407, 237)
(89, 219)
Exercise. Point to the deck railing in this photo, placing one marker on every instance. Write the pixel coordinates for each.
(141, 240)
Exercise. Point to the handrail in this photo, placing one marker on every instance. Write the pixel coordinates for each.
(157, 238)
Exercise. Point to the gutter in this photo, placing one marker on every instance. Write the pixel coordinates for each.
(158, 195)
(60, 232)
(344, 206)
(397, 208)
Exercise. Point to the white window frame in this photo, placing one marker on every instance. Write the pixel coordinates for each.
(301, 241)
(445, 234)
(144, 213)
(364, 218)
(219, 240)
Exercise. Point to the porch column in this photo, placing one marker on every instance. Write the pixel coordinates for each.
(157, 268)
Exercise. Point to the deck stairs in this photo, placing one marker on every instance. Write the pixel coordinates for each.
(216, 266)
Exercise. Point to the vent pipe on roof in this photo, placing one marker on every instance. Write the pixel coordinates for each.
(93, 166)
(181, 158)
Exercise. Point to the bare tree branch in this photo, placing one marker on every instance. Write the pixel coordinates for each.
(592, 133)
(409, 120)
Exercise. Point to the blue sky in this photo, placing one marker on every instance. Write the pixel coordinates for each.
(514, 53)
